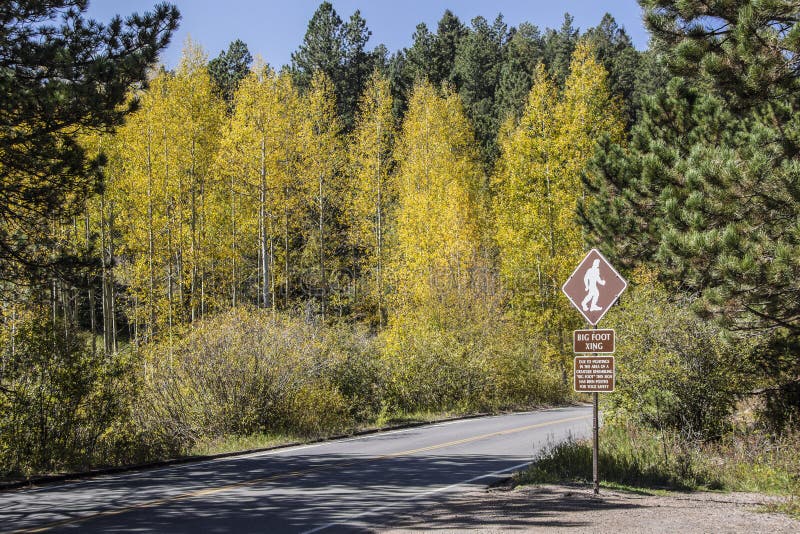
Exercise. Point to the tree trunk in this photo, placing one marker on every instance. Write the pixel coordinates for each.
(263, 223)
(104, 275)
(194, 282)
(323, 280)
(233, 243)
(90, 285)
(151, 240)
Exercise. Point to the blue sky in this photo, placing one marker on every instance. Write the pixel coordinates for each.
(274, 29)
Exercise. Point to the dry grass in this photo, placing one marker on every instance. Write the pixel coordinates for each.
(635, 457)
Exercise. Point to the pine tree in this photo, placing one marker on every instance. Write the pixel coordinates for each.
(450, 32)
(337, 49)
(615, 50)
(743, 49)
(477, 71)
(419, 58)
(683, 196)
(522, 53)
(58, 79)
(229, 68)
(708, 187)
(707, 194)
(431, 57)
(558, 48)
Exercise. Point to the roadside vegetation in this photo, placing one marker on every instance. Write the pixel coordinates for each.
(642, 459)
(263, 255)
(689, 411)
(696, 207)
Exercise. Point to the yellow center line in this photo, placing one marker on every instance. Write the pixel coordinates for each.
(291, 474)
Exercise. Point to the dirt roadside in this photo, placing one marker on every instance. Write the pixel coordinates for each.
(555, 508)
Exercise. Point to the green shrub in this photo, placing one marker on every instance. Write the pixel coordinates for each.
(483, 363)
(59, 399)
(674, 370)
(252, 371)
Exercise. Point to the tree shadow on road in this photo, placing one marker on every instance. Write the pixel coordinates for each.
(288, 494)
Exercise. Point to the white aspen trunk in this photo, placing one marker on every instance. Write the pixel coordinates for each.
(104, 278)
(323, 281)
(233, 243)
(194, 281)
(111, 290)
(286, 248)
(263, 217)
(92, 318)
(379, 231)
(151, 239)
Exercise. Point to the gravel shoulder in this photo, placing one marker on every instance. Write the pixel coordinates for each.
(560, 508)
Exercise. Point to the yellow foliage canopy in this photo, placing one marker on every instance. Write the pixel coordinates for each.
(538, 183)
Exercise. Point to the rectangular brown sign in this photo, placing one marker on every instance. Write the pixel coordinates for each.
(594, 374)
(597, 341)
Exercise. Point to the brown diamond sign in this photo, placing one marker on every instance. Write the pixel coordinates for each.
(594, 286)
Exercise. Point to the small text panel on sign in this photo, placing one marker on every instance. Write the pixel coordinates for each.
(596, 341)
(594, 374)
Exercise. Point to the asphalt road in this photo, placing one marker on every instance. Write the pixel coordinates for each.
(344, 485)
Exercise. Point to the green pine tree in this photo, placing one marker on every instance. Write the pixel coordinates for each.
(337, 49)
(57, 80)
(229, 68)
(708, 193)
(615, 50)
(522, 54)
(477, 71)
(558, 48)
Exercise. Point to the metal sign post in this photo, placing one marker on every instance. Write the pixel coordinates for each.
(595, 443)
(593, 287)
(596, 435)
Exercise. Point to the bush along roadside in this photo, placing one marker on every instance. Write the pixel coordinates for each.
(683, 416)
(252, 379)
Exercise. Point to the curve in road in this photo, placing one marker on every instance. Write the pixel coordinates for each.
(339, 485)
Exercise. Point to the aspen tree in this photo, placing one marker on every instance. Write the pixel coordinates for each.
(258, 160)
(538, 186)
(99, 226)
(140, 195)
(523, 211)
(164, 158)
(372, 191)
(196, 115)
(321, 188)
(237, 161)
(439, 204)
(288, 165)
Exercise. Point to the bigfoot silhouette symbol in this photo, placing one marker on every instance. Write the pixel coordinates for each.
(590, 281)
